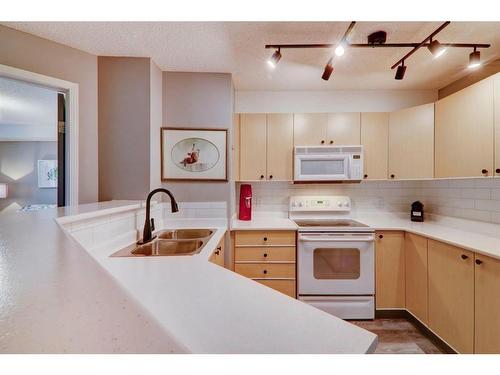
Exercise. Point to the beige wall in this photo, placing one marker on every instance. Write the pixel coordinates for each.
(156, 122)
(28, 52)
(198, 100)
(124, 127)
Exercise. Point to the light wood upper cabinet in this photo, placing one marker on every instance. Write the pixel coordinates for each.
(253, 146)
(411, 142)
(416, 276)
(451, 294)
(236, 147)
(496, 95)
(464, 132)
(279, 146)
(310, 129)
(389, 270)
(344, 129)
(375, 139)
(487, 305)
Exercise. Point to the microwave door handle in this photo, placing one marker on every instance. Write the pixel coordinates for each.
(335, 238)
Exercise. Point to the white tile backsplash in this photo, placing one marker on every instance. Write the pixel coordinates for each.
(473, 199)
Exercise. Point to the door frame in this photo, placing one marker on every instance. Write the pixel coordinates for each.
(71, 89)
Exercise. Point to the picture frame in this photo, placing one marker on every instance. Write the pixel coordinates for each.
(193, 154)
(47, 174)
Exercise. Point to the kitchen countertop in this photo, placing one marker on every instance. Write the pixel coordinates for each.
(436, 228)
(56, 299)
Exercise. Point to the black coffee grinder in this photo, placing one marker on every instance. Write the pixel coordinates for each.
(417, 211)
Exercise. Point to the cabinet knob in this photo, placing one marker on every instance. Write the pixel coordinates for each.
(265, 238)
(497, 170)
(479, 261)
(392, 176)
(322, 141)
(270, 176)
(261, 176)
(463, 256)
(331, 142)
(265, 255)
(381, 236)
(484, 171)
(217, 252)
(366, 176)
(265, 272)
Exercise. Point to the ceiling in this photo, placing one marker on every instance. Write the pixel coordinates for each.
(238, 48)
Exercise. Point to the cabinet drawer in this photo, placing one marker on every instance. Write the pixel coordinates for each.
(264, 254)
(266, 271)
(284, 286)
(265, 238)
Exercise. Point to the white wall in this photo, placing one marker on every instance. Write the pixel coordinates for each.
(330, 101)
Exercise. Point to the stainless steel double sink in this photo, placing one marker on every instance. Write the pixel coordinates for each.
(172, 242)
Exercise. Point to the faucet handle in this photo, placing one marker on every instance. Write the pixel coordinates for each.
(152, 224)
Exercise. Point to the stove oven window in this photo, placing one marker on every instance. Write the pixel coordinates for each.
(340, 264)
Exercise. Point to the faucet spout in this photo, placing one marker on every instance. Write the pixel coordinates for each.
(147, 233)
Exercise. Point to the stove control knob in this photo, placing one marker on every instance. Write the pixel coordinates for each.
(294, 204)
(346, 204)
(300, 204)
(339, 204)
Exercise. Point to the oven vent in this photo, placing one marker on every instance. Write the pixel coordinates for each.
(304, 150)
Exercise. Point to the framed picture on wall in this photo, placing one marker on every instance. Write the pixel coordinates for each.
(47, 174)
(193, 154)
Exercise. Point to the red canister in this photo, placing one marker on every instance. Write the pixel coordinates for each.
(245, 202)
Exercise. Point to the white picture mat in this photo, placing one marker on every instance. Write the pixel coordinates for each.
(44, 167)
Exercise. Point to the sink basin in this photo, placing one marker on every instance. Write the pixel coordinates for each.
(170, 242)
(185, 234)
(161, 247)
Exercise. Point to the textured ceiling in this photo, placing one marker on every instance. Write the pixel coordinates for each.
(238, 48)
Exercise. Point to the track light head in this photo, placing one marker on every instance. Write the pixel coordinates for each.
(339, 51)
(328, 70)
(400, 73)
(273, 60)
(436, 48)
(474, 59)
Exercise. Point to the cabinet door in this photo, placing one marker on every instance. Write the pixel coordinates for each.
(236, 147)
(310, 129)
(279, 146)
(416, 275)
(487, 305)
(451, 294)
(375, 139)
(496, 80)
(344, 129)
(411, 142)
(464, 132)
(252, 147)
(389, 270)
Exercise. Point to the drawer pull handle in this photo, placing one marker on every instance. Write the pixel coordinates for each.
(497, 170)
(265, 272)
(484, 171)
(381, 236)
(270, 176)
(366, 176)
(464, 256)
(265, 255)
(322, 141)
(265, 238)
(392, 176)
(261, 176)
(479, 261)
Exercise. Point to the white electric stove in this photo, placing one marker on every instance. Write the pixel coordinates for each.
(336, 257)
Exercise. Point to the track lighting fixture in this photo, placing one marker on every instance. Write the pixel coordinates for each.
(273, 60)
(436, 48)
(328, 70)
(400, 72)
(339, 51)
(474, 59)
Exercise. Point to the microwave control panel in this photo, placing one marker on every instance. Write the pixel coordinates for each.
(356, 167)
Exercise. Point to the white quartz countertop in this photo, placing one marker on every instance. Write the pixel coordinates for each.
(469, 235)
(57, 297)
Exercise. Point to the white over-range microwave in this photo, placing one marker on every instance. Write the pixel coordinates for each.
(328, 164)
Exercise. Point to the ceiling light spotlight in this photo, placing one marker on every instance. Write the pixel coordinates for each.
(436, 48)
(273, 60)
(474, 59)
(400, 73)
(339, 51)
(328, 70)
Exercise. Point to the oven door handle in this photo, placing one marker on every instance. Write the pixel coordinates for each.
(367, 238)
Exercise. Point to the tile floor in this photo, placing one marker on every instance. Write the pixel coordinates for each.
(398, 336)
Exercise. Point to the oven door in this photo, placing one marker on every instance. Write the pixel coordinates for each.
(336, 263)
(321, 167)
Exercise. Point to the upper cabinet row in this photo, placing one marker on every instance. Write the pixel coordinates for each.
(458, 136)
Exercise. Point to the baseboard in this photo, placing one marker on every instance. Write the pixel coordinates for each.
(405, 314)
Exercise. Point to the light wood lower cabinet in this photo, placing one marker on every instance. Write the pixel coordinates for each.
(267, 257)
(389, 270)
(416, 276)
(217, 256)
(487, 304)
(451, 295)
